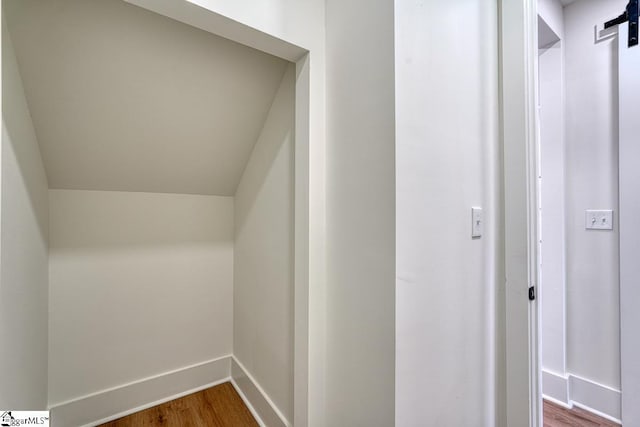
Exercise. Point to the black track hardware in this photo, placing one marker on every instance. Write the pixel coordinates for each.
(630, 15)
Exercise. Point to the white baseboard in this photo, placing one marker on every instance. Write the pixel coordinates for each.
(596, 398)
(107, 405)
(573, 390)
(110, 404)
(555, 387)
(261, 406)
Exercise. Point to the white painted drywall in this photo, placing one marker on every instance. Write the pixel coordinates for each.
(263, 254)
(112, 86)
(447, 147)
(140, 284)
(23, 248)
(552, 213)
(360, 214)
(593, 318)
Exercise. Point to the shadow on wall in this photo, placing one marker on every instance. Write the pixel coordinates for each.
(21, 155)
(84, 220)
(269, 172)
(19, 143)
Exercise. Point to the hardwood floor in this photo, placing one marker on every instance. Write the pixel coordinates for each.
(557, 416)
(219, 406)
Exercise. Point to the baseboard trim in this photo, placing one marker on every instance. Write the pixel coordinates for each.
(597, 398)
(117, 402)
(248, 403)
(571, 390)
(261, 406)
(555, 387)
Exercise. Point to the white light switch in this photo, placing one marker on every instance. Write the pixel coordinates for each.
(598, 220)
(477, 222)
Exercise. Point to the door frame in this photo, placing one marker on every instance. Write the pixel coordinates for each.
(629, 203)
(521, 381)
(519, 93)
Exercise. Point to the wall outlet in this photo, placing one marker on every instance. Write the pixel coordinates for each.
(598, 220)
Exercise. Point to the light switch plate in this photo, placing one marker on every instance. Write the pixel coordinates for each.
(598, 219)
(477, 223)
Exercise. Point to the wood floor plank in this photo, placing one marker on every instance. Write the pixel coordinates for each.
(219, 406)
(557, 416)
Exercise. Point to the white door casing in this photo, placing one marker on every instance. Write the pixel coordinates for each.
(629, 215)
(521, 370)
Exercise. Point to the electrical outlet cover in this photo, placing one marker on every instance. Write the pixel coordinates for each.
(598, 219)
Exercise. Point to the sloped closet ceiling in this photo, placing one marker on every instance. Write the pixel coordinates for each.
(124, 99)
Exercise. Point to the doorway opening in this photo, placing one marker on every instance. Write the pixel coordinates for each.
(580, 221)
(176, 196)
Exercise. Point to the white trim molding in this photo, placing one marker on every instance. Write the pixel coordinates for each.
(555, 388)
(519, 376)
(199, 16)
(261, 406)
(571, 390)
(113, 403)
(116, 402)
(629, 226)
(597, 398)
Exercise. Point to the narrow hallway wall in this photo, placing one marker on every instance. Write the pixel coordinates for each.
(551, 169)
(447, 158)
(592, 183)
(579, 157)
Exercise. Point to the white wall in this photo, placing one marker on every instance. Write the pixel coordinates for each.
(552, 199)
(360, 214)
(23, 247)
(592, 183)
(447, 152)
(263, 255)
(140, 284)
(552, 259)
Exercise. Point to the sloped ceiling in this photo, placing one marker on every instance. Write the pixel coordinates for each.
(125, 99)
(567, 2)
